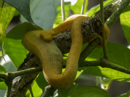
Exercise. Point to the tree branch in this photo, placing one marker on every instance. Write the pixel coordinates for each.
(104, 63)
(122, 5)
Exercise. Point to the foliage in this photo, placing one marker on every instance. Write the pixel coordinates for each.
(36, 16)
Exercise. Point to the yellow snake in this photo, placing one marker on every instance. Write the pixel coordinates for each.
(50, 55)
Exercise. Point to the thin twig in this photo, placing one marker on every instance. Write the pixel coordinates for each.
(26, 71)
(62, 10)
(31, 92)
(21, 72)
(104, 63)
(48, 91)
(103, 32)
(82, 10)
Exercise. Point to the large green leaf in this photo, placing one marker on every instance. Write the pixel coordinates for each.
(3, 86)
(6, 14)
(37, 92)
(117, 55)
(89, 91)
(12, 44)
(83, 91)
(41, 81)
(67, 92)
(125, 22)
(43, 12)
(23, 7)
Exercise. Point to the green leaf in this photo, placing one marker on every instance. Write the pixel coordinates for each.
(125, 22)
(95, 9)
(6, 14)
(2, 69)
(16, 13)
(12, 45)
(3, 86)
(78, 6)
(58, 19)
(89, 91)
(67, 92)
(43, 12)
(36, 90)
(117, 55)
(23, 7)
(41, 81)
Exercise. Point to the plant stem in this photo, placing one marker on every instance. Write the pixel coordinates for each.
(103, 32)
(48, 91)
(62, 10)
(31, 92)
(21, 72)
(8, 82)
(82, 10)
(26, 71)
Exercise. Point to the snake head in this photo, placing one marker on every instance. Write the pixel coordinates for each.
(47, 35)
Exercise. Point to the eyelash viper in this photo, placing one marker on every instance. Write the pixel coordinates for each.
(50, 55)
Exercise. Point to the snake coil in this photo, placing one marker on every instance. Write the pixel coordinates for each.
(50, 55)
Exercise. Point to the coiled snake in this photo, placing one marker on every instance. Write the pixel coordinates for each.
(40, 43)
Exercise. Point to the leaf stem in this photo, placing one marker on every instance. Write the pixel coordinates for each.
(82, 9)
(31, 92)
(62, 10)
(103, 32)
